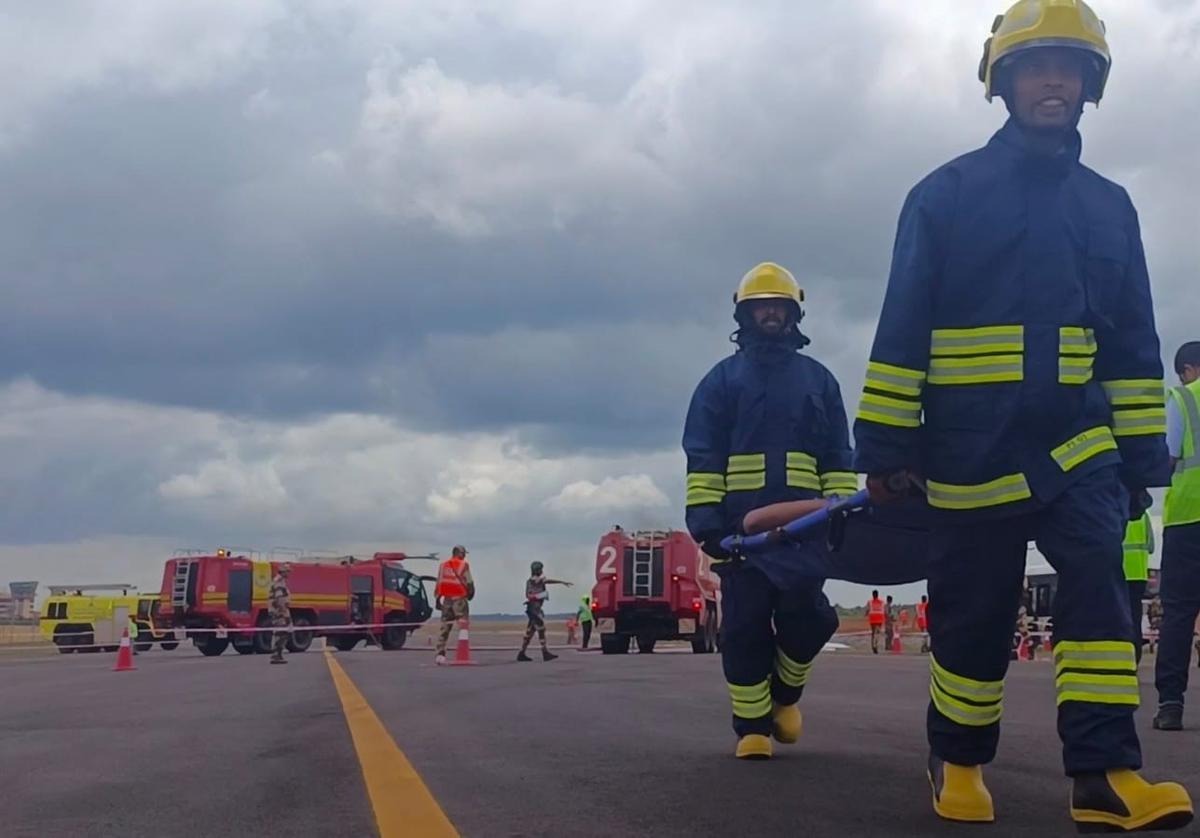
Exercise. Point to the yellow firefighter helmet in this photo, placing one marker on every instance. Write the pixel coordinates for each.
(1047, 23)
(769, 281)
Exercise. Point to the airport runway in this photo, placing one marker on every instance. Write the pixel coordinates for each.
(587, 745)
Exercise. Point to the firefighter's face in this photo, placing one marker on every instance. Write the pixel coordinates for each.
(770, 316)
(1190, 373)
(1047, 88)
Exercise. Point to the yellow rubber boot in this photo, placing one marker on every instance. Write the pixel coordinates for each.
(1121, 801)
(754, 746)
(959, 793)
(786, 723)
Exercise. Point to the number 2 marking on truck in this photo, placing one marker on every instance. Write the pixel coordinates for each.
(608, 555)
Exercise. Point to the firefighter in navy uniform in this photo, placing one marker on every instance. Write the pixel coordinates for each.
(1016, 370)
(765, 425)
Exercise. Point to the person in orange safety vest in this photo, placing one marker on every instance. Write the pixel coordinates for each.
(454, 589)
(875, 618)
(923, 623)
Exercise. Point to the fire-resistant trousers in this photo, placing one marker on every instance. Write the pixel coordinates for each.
(975, 581)
(769, 638)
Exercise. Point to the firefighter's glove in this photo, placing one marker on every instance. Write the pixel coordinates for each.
(711, 545)
(1139, 502)
(889, 486)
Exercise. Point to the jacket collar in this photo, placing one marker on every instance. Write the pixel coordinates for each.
(1011, 140)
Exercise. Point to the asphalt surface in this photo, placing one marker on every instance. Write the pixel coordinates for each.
(586, 745)
(183, 746)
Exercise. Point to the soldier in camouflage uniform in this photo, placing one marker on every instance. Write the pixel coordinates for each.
(535, 601)
(455, 588)
(281, 615)
(1154, 613)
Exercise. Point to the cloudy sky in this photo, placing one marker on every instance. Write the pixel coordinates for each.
(383, 275)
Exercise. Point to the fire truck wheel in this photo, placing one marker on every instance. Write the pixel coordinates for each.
(394, 637)
(345, 644)
(170, 645)
(645, 645)
(300, 640)
(66, 639)
(211, 646)
(243, 644)
(614, 644)
(262, 639)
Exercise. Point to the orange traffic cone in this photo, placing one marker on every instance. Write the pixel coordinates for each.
(125, 655)
(462, 652)
(1023, 649)
(896, 647)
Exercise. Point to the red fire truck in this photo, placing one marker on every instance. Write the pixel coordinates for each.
(228, 594)
(654, 585)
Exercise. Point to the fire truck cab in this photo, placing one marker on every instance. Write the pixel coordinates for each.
(654, 585)
(222, 600)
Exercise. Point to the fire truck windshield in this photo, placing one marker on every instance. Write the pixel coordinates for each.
(401, 581)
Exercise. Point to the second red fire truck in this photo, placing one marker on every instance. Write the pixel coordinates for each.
(654, 585)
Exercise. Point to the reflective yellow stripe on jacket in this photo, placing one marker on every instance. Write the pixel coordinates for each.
(892, 395)
(977, 355)
(746, 472)
(1076, 354)
(1138, 406)
(705, 487)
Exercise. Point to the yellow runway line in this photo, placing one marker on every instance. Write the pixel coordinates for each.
(403, 806)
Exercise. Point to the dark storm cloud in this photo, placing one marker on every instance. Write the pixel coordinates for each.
(189, 248)
(482, 219)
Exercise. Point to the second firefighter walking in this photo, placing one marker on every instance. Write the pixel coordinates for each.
(765, 425)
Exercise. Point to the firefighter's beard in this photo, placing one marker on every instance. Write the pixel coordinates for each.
(773, 328)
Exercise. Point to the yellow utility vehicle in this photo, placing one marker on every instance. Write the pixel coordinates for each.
(80, 618)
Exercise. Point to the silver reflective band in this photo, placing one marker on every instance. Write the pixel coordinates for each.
(913, 412)
(1123, 422)
(1006, 489)
(1068, 342)
(988, 694)
(966, 372)
(1068, 657)
(1101, 689)
(1120, 392)
(1072, 370)
(888, 378)
(1075, 455)
(980, 340)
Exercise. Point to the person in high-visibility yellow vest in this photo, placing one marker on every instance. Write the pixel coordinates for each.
(133, 634)
(1180, 583)
(1139, 544)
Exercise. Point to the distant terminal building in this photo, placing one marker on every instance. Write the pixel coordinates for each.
(17, 604)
